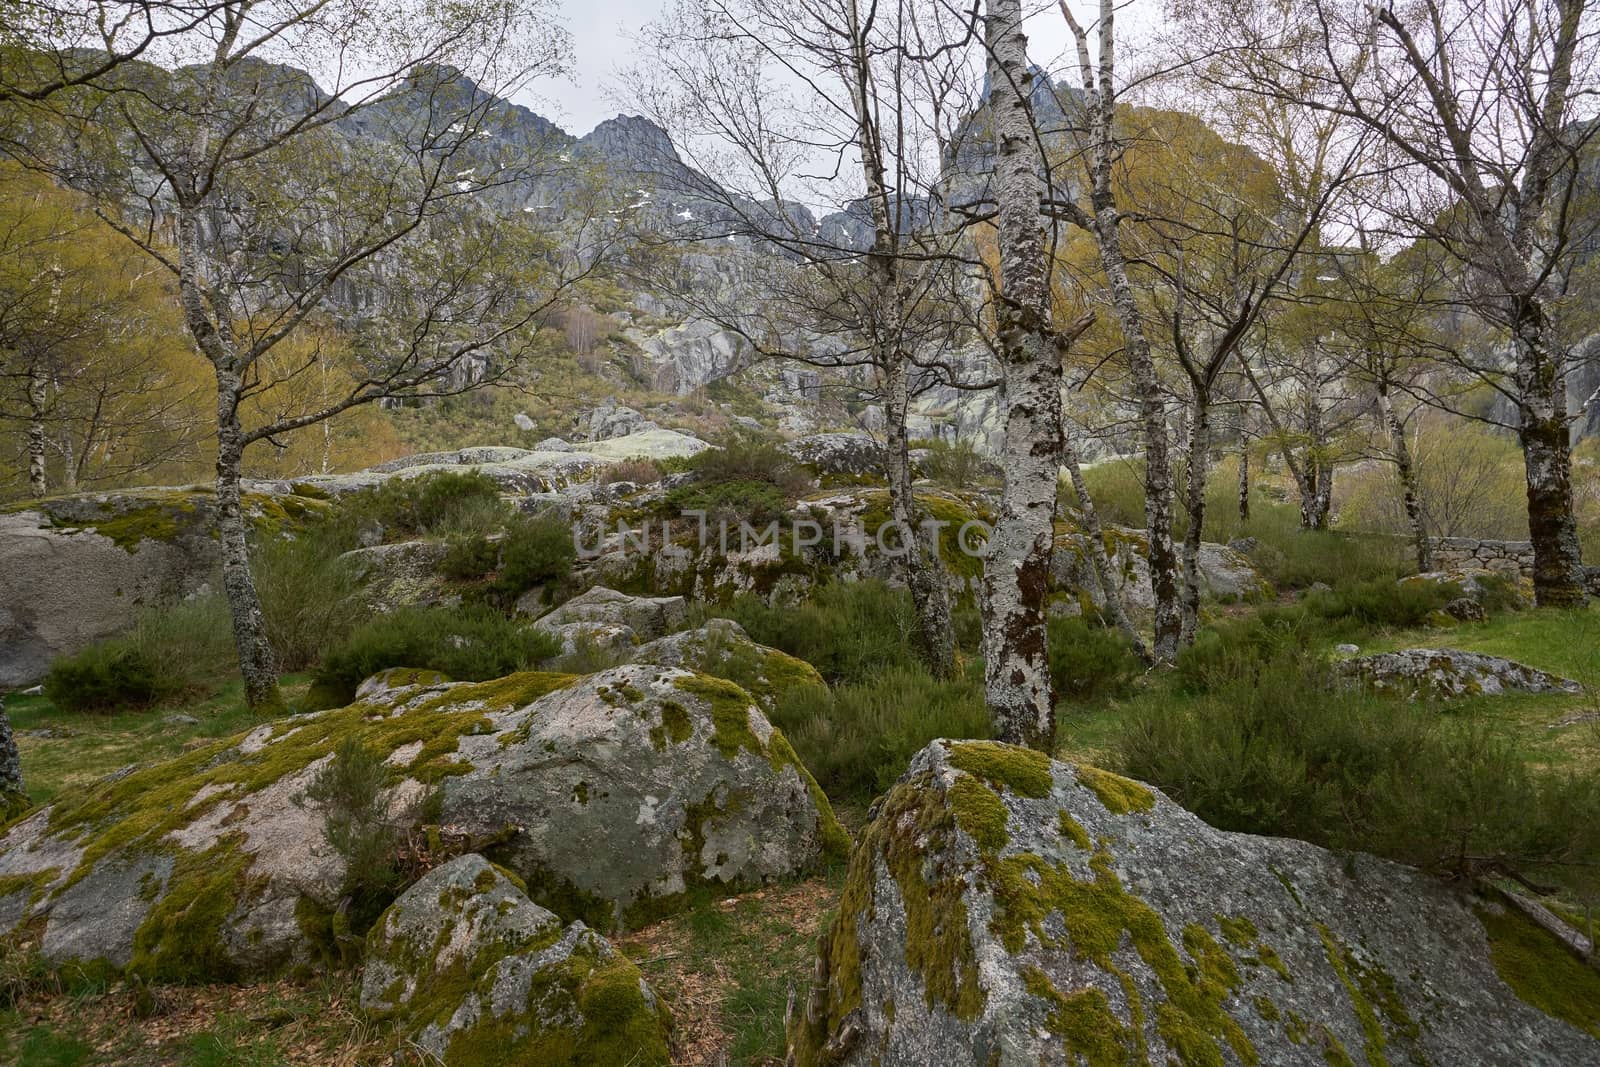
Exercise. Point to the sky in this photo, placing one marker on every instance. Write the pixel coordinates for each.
(603, 31)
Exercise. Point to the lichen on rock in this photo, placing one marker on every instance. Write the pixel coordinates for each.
(994, 915)
(613, 795)
(477, 973)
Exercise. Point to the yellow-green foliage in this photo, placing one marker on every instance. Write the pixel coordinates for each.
(617, 1025)
(1121, 796)
(949, 510)
(1540, 971)
(980, 812)
(1086, 1023)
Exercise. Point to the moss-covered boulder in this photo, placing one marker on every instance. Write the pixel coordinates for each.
(1448, 674)
(646, 617)
(477, 973)
(76, 569)
(1002, 908)
(615, 794)
(620, 795)
(722, 649)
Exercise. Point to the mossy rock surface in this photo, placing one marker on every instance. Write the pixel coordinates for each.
(994, 916)
(722, 649)
(612, 795)
(477, 973)
(1449, 674)
(80, 568)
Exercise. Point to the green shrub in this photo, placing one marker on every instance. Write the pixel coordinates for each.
(181, 649)
(1239, 649)
(437, 503)
(1090, 662)
(744, 456)
(309, 597)
(350, 790)
(473, 643)
(856, 739)
(954, 464)
(1283, 752)
(469, 557)
(106, 676)
(534, 550)
(849, 631)
(755, 502)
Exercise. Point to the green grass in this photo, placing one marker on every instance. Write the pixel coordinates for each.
(91, 746)
(1563, 642)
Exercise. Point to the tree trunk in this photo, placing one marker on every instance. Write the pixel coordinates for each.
(930, 589)
(1195, 505)
(1409, 491)
(13, 795)
(1244, 479)
(1016, 569)
(1158, 482)
(1547, 461)
(38, 404)
(1314, 477)
(256, 661)
(1094, 534)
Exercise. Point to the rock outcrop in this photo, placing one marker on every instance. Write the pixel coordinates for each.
(1001, 908)
(608, 619)
(854, 454)
(477, 973)
(77, 569)
(722, 649)
(1449, 673)
(1226, 574)
(521, 470)
(613, 794)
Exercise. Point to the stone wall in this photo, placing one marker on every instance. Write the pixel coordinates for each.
(1466, 553)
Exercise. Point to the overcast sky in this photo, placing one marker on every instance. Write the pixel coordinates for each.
(603, 32)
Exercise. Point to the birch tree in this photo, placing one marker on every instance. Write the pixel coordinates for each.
(1016, 570)
(1478, 108)
(235, 176)
(781, 108)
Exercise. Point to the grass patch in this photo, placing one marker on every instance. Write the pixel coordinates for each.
(63, 752)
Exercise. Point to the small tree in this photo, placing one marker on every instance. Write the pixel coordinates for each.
(240, 178)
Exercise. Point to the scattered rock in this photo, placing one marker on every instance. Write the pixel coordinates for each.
(477, 973)
(78, 569)
(179, 720)
(611, 419)
(403, 574)
(522, 422)
(1225, 574)
(654, 443)
(1004, 908)
(1465, 609)
(635, 785)
(647, 616)
(1474, 583)
(1346, 649)
(553, 444)
(1448, 673)
(856, 454)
